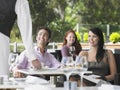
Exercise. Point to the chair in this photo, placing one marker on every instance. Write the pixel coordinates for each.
(59, 55)
(117, 76)
(117, 59)
(61, 78)
(54, 53)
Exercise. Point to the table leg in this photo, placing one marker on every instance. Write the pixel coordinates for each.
(53, 79)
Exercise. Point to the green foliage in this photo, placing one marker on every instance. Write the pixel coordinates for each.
(101, 11)
(15, 35)
(114, 37)
(19, 48)
(83, 29)
(78, 36)
(62, 15)
(58, 30)
(85, 37)
(104, 37)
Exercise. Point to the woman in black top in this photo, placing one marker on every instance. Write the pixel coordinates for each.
(101, 61)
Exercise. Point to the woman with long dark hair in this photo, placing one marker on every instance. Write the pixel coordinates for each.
(100, 60)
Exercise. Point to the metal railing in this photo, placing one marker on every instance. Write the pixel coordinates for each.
(51, 46)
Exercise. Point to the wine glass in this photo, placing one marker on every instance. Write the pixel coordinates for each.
(84, 63)
(81, 64)
(78, 64)
(12, 58)
(69, 63)
(67, 74)
(63, 62)
(11, 61)
(84, 67)
(72, 51)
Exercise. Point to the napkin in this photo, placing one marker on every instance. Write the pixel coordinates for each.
(109, 87)
(37, 87)
(35, 80)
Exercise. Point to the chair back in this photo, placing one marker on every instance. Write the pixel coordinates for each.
(59, 55)
(117, 76)
(117, 59)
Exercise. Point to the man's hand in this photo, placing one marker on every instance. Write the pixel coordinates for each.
(36, 64)
(17, 74)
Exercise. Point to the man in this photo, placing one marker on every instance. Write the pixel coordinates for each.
(47, 59)
(9, 11)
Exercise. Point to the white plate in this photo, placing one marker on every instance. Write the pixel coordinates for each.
(94, 76)
(18, 79)
(36, 80)
(49, 69)
(70, 69)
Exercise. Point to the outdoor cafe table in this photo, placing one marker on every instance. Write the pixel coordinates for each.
(51, 72)
(61, 88)
(22, 87)
(19, 86)
(102, 87)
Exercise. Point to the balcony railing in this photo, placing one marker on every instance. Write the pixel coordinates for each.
(53, 46)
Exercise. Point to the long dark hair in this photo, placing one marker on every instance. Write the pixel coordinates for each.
(77, 45)
(100, 50)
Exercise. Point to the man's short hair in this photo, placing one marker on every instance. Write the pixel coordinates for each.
(45, 28)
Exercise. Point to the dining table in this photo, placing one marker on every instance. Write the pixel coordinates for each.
(102, 87)
(38, 87)
(20, 84)
(17, 83)
(52, 72)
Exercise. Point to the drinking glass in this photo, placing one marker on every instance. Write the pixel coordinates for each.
(72, 51)
(67, 73)
(81, 64)
(78, 64)
(84, 67)
(69, 63)
(84, 63)
(63, 62)
(11, 61)
(12, 58)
